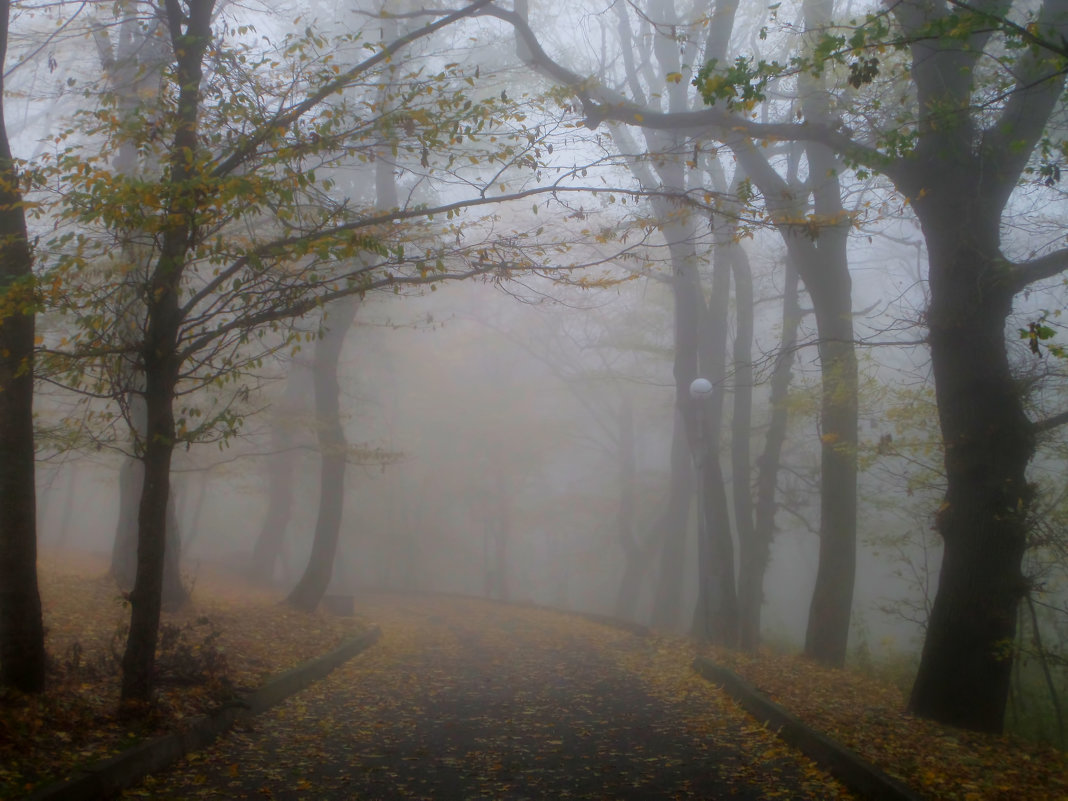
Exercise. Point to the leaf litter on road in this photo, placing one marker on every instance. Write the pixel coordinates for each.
(469, 699)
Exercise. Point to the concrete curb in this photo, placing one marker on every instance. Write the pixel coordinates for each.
(859, 775)
(108, 777)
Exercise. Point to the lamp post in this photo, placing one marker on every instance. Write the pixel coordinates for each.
(701, 391)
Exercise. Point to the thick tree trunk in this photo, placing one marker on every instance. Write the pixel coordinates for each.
(333, 452)
(966, 665)
(22, 652)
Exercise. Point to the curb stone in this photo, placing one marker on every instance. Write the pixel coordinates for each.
(108, 777)
(857, 774)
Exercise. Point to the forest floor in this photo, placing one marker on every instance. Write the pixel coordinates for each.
(436, 659)
(231, 637)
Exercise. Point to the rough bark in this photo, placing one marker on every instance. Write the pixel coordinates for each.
(22, 652)
(962, 177)
(966, 664)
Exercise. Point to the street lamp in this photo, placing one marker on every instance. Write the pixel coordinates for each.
(701, 390)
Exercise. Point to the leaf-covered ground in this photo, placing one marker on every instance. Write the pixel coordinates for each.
(248, 638)
(868, 717)
(467, 699)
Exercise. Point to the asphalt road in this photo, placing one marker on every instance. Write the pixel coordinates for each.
(462, 699)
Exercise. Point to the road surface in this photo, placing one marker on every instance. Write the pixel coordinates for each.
(462, 699)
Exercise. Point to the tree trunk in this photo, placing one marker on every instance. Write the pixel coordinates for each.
(715, 618)
(146, 598)
(22, 652)
(755, 555)
(716, 613)
(826, 275)
(175, 595)
(636, 556)
(124, 549)
(280, 468)
(333, 452)
(501, 534)
(672, 529)
(966, 664)
(159, 356)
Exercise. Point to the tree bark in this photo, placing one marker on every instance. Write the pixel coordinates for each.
(755, 555)
(160, 358)
(716, 614)
(333, 452)
(22, 651)
(672, 530)
(124, 549)
(966, 664)
(635, 554)
(280, 467)
(962, 177)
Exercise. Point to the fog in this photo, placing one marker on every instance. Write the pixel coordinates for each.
(544, 233)
(455, 403)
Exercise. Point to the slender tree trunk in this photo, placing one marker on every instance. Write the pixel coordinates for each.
(133, 67)
(69, 499)
(636, 555)
(825, 270)
(146, 597)
(190, 35)
(716, 614)
(22, 652)
(501, 535)
(755, 555)
(671, 528)
(124, 549)
(193, 508)
(175, 595)
(124, 546)
(715, 618)
(333, 452)
(741, 458)
(280, 469)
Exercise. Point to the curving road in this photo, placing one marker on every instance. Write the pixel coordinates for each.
(463, 699)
